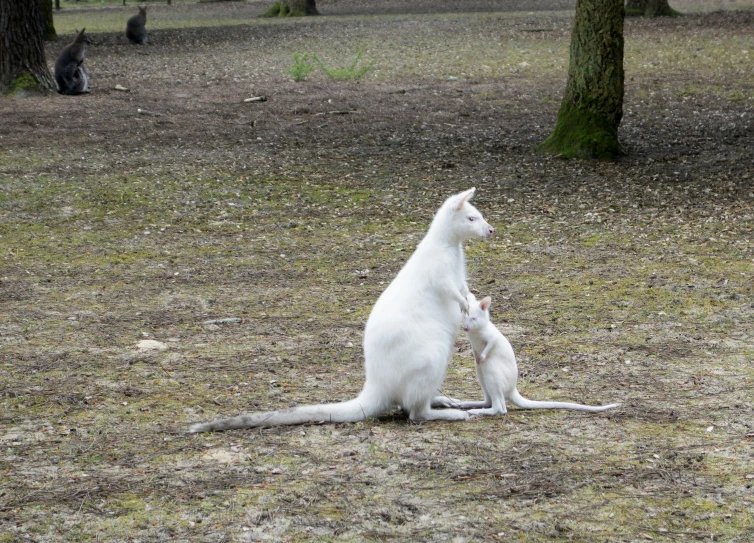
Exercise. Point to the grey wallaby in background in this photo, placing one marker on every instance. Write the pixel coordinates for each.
(70, 74)
(136, 31)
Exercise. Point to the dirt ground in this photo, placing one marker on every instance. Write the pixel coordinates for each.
(144, 214)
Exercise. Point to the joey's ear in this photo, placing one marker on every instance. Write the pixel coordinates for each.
(463, 198)
(485, 303)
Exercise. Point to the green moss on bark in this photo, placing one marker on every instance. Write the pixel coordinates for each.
(292, 8)
(580, 133)
(279, 9)
(23, 83)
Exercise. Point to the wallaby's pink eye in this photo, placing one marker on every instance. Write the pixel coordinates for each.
(472, 219)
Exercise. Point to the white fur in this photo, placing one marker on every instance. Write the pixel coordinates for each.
(496, 367)
(410, 334)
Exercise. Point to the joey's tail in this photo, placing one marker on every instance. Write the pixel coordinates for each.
(354, 410)
(520, 401)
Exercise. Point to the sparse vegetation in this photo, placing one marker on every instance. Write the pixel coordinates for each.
(350, 73)
(301, 66)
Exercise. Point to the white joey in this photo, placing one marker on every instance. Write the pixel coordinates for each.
(496, 368)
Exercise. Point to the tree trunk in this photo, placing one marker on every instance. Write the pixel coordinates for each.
(22, 55)
(650, 8)
(592, 106)
(48, 28)
(292, 8)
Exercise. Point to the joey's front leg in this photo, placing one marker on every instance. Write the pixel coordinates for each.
(481, 357)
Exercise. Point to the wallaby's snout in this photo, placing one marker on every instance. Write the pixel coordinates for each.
(490, 231)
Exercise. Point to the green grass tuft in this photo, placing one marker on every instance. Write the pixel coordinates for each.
(351, 73)
(301, 66)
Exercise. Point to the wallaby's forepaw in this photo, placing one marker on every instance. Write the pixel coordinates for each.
(465, 306)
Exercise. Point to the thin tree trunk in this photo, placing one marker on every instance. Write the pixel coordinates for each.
(48, 28)
(592, 106)
(22, 54)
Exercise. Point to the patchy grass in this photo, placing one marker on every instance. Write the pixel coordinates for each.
(627, 282)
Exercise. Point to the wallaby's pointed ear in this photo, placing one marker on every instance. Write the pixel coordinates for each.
(463, 198)
(485, 303)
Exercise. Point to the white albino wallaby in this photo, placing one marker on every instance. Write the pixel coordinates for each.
(410, 334)
(496, 368)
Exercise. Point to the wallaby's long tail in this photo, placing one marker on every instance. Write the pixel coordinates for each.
(520, 401)
(354, 410)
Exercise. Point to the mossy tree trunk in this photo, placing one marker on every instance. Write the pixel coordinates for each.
(22, 52)
(292, 8)
(592, 106)
(650, 8)
(48, 28)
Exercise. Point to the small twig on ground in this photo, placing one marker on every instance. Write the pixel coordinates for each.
(336, 112)
(228, 320)
(163, 369)
(147, 112)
